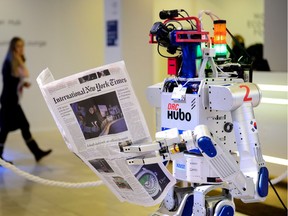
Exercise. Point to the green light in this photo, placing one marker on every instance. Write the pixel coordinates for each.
(198, 51)
(220, 50)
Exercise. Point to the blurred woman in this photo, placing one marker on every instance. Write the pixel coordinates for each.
(12, 117)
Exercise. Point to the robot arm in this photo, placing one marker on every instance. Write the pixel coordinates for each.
(240, 99)
(223, 163)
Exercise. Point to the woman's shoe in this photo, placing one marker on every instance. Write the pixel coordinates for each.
(37, 152)
(42, 154)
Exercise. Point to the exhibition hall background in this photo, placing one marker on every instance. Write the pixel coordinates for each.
(69, 36)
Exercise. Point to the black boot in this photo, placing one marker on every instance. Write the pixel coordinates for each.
(1, 153)
(37, 152)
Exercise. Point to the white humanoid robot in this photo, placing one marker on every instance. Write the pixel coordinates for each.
(209, 131)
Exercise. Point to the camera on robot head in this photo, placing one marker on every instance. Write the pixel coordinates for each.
(183, 39)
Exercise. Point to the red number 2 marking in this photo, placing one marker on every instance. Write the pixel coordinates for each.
(246, 98)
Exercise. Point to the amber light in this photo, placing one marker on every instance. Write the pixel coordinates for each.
(219, 32)
(219, 39)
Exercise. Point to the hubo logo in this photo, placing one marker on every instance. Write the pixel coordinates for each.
(180, 166)
(174, 112)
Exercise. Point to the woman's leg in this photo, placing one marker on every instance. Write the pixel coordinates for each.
(27, 136)
(32, 144)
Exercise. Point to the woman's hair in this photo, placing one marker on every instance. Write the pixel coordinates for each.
(10, 54)
(12, 46)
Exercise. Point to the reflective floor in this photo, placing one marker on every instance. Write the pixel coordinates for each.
(21, 197)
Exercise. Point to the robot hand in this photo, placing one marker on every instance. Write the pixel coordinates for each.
(169, 145)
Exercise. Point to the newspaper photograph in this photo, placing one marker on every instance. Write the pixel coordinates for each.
(97, 114)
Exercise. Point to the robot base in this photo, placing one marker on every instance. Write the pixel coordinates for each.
(181, 202)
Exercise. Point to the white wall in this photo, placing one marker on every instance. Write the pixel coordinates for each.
(137, 20)
(275, 45)
(66, 36)
(272, 119)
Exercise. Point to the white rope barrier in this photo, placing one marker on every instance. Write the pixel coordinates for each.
(280, 178)
(40, 180)
(46, 181)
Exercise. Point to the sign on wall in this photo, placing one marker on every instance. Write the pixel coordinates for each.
(112, 31)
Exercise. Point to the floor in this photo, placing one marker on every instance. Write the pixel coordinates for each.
(21, 197)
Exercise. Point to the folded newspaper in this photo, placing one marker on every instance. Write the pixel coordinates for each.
(97, 114)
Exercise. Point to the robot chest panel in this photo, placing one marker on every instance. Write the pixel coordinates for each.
(181, 114)
(186, 115)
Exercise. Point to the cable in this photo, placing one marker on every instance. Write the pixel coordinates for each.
(164, 56)
(242, 49)
(46, 181)
(189, 21)
(277, 195)
(209, 13)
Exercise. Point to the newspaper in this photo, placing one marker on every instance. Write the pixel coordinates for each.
(97, 114)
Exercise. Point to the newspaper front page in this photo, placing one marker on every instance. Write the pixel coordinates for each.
(97, 114)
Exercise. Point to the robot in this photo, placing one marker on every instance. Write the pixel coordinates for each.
(208, 127)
